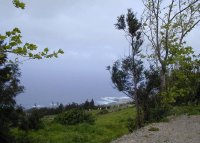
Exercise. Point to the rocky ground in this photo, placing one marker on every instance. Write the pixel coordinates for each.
(181, 129)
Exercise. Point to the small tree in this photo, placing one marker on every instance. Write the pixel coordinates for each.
(166, 24)
(92, 104)
(9, 88)
(127, 73)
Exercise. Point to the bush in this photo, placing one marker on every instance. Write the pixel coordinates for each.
(24, 138)
(34, 121)
(5, 135)
(104, 111)
(31, 121)
(131, 124)
(75, 116)
(190, 110)
(158, 113)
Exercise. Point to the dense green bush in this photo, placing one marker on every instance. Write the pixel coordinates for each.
(189, 109)
(131, 124)
(23, 138)
(158, 113)
(75, 116)
(104, 111)
(30, 121)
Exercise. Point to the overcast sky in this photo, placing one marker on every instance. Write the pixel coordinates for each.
(85, 30)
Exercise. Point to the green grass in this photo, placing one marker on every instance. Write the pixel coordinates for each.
(106, 128)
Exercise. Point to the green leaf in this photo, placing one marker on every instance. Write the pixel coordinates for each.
(30, 55)
(8, 33)
(60, 51)
(19, 4)
(46, 50)
(2, 37)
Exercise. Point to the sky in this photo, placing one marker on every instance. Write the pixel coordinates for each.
(85, 30)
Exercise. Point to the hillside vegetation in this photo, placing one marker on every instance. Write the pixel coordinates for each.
(107, 127)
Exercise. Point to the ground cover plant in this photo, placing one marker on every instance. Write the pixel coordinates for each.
(107, 127)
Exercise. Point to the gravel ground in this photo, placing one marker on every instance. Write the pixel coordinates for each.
(181, 129)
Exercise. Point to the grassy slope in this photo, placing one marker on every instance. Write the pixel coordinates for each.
(107, 127)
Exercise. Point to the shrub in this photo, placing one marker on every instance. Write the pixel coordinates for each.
(75, 116)
(31, 121)
(23, 138)
(131, 124)
(34, 121)
(190, 110)
(5, 135)
(104, 111)
(158, 113)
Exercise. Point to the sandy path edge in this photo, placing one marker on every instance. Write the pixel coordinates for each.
(180, 129)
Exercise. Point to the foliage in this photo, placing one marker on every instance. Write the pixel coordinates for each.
(175, 77)
(104, 111)
(186, 81)
(88, 104)
(18, 4)
(23, 138)
(31, 121)
(105, 129)
(131, 124)
(127, 74)
(189, 109)
(59, 108)
(17, 47)
(44, 111)
(9, 88)
(9, 81)
(75, 116)
(14, 46)
(11, 43)
(166, 25)
(158, 113)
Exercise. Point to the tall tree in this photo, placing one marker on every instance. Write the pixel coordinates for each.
(127, 73)
(9, 88)
(9, 72)
(166, 25)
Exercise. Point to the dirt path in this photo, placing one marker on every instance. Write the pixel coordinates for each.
(182, 129)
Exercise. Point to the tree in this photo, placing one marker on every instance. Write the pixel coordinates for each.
(92, 104)
(9, 73)
(86, 105)
(127, 73)
(9, 88)
(186, 81)
(166, 24)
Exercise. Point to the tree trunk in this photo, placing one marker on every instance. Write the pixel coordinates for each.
(163, 78)
(138, 113)
(163, 81)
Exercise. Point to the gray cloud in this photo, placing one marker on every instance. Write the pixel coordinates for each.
(85, 31)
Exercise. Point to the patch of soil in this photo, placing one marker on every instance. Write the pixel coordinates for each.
(181, 129)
